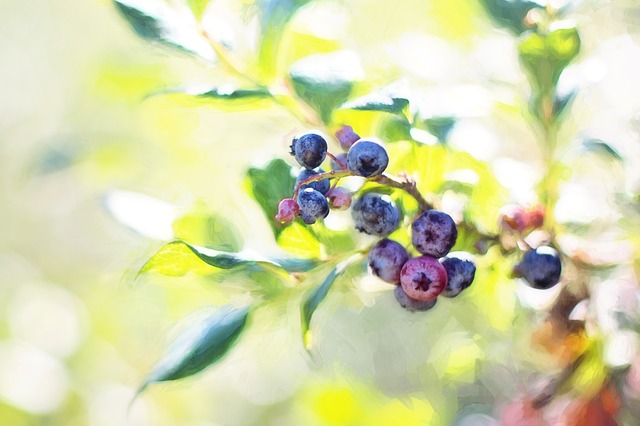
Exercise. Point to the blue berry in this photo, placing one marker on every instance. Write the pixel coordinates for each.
(541, 267)
(366, 158)
(434, 233)
(309, 150)
(411, 304)
(386, 259)
(375, 214)
(460, 270)
(321, 186)
(313, 206)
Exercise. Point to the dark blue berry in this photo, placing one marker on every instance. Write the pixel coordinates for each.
(411, 304)
(313, 205)
(321, 186)
(461, 270)
(386, 259)
(366, 158)
(434, 233)
(309, 150)
(541, 267)
(375, 214)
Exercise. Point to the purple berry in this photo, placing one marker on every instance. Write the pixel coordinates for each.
(309, 150)
(460, 270)
(287, 210)
(423, 278)
(434, 233)
(541, 267)
(313, 205)
(375, 214)
(347, 137)
(321, 186)
(386, 259)
(367, 159)
(339, 198)
(411, 304)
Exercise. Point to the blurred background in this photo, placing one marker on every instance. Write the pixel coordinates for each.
(78, 334)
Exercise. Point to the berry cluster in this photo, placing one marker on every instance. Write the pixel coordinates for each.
(419, 279)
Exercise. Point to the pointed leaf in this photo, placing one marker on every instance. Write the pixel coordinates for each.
(198, 7)
(382, 101)
(601, 148)
(440, 127)
(200, 345)
(509, 14)
(156, 21)
(203, 227)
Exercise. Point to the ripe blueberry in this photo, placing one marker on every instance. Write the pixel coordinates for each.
(366, 158)
(541, 267)
(339, 198)
(347, 137)
(434, 233)
(287, 210)
(460, 271)
(313, 205)
(386, 259)
(411, 304)
(375, 214)
(321, 186)
(309, 150)
(423, 278)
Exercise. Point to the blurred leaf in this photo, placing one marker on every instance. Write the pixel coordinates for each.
(199, 345)
(198, 7)
(382, 101)
(227, 97)
(175, 260)
(297, 239)
(268, 186)
(440, 127)
(602, 149)
(393, 129)
(143, 214)
(203, 227)
(156, 21)
(546, 55)
(324, 81)
(561, 103)
(274, 16)
(509, 14)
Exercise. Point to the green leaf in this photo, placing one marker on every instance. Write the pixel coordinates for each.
(440, 127)
(324, 81)
(299, 240)
(198, 7)
(602, 149)
(227, 97)
(274, 16)
(199, 345)
(393, 128)
(203, 227)
(157, 22)
(382, 101)
(509, 14)
(269, 185)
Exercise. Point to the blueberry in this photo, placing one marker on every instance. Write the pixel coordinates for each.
(541, 267)
(460, 271)
(375, 214)
(423, 278)
(434, 233)
(366, 158)
(339, 198)
(347, 137)
(321, 186)
(287, 210)
(313, 205)
(386, 259)
(309, 150)
(411, 304)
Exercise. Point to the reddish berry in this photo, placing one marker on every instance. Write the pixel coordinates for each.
(339, 198)
(411, 304)
(423, 278)
(513, 218)
(534, 217)
(347, 137)
(434, 233)
(288, 210)
(386, 259)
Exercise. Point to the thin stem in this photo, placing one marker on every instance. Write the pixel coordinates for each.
(337, 174)
(338, 162)
(407, 186)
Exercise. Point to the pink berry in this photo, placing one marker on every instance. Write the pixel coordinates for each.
(288, 210)
(347, 137)
(339, 198)
(423, 278)
(513, 218)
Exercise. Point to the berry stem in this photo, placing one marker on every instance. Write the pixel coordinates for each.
(334, 158)
(407, 186)
(334, 174)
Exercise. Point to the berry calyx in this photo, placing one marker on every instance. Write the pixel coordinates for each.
(367, 159)
(288, 210)
(339, 198)
(411, 304)
(321, 186)
(460, 273)
(386, 259)
(375, 214)
(434, 233)
(541, 268)
(347, 137)
(313, 206)
(309, 150)
(423, 278)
